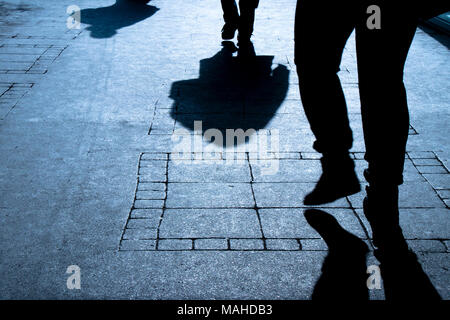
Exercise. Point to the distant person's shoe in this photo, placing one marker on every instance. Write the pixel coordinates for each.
(228, 31)
(338, 180)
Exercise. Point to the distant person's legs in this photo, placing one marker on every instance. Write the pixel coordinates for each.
(321, 32)
(231, 18)
(247, 19)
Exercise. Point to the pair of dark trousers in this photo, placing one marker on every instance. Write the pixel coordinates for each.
(322, 29)
(246, 19)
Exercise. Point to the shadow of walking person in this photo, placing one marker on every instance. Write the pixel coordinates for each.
(105, 21)
(344, 269)
(403, 276)
(230, 93)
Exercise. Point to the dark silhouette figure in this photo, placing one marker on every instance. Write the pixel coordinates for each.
(230, 94)
(105, 21)
(344, 274)
(384, 33)
(243, 22)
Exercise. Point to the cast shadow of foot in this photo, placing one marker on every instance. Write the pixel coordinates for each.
(403, 276)
(344, 275)
(105, 21)
(344, 268)
(231, 92)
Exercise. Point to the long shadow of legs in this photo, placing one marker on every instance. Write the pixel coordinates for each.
(230, 93)
(405, 280)
(344, 269)
(105, 21)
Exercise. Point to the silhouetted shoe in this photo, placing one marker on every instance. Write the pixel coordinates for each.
(338, 180)
(380, 207)
(228, 31)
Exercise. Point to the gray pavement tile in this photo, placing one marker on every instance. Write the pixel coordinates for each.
(411, 195)
(175, 244)
(136, 245)
(207, 223)
(291, 223)
(420, 223)
(438, 181)
(144, 223)
(246, 244)
(152, 156)
(204, 171)
(447, 202)
(426, 162)
(432, 169)
(146, 214)
(426, 245)
(140, 234)
(282, 244)
(288, 171)
(447, 245)
(421, 155)
(444, 194)
(150, 195)
(288, 195)
(153, 171)
(313, 245)
(146, 167)
(211, 244)
(148, 204)
(209, 195)
(149, 186)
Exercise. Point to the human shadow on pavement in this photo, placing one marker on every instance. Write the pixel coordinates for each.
(230, 93)
(403, 276)
(105, 21)
(344, 268)
(344, 274)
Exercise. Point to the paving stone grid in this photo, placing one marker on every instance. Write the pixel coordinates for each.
(200, 204)
(21, 58)
(26, 53)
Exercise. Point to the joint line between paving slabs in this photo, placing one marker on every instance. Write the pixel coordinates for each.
(254, 200)
(166, 186)
(134, 200)
(425, 178)
(366, 232)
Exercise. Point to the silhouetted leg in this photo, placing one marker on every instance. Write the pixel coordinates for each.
(381, 59)
(230, 11)
(231, 18)
(247, 19)
(321, 32)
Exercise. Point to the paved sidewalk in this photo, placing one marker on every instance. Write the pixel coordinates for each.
(92, 122)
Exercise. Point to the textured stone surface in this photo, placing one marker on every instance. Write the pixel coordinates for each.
(86, 117)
